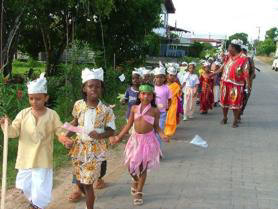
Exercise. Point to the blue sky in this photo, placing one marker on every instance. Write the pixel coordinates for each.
(226, 17)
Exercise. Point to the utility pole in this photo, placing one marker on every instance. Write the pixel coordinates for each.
(259, 32)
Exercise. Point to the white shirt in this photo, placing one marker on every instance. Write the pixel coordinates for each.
(191, 80)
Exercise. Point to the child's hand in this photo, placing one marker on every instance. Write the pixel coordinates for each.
(114, 140)
(3, 119)
(123, 101)
(66, 141)
(95, 135)
(164, 137)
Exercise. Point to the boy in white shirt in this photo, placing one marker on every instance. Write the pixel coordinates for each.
(190, 91)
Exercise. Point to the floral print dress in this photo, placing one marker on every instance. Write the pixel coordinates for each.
(88, 153)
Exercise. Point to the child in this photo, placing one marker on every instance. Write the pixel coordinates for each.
(172, 118)
(162, 94)
(131, 93)
(97, 122)
(216, 88)
(206, 83)
(190, 91)
(142, 150)
(147, 77)
(35, 126)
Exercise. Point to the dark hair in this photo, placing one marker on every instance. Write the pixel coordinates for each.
(152, 102)
(236, 47)
(84, 95)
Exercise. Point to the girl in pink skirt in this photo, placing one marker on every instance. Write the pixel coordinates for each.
(142, 150)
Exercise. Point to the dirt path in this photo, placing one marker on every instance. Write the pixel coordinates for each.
(63, 186)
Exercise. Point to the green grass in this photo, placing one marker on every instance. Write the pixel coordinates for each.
(20, 67)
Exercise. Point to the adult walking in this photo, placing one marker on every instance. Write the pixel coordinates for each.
(235, 74)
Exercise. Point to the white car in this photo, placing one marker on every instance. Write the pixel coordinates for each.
(275, 65)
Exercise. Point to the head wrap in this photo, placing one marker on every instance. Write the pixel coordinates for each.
(193, 63)
(146, 88)
(172, 71)
(38, 86)
(237, 42)
(137, 71)
(92, 74)
(206, 64)
(159, 71)
(184, 63)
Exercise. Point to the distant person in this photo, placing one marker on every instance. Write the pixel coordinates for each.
(190, 91)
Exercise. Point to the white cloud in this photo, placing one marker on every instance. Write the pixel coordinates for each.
(226, 17)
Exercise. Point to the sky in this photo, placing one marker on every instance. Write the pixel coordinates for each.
(221, 18)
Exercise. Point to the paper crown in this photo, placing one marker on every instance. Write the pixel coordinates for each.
(244, 47)
(38, 86)
(217, 63)
(172, 70)
(159, 71)
(206, 64)
(92, 74)
(137, 71)
(145, 71)
(237, 42)
(193, 63)
(184, 63)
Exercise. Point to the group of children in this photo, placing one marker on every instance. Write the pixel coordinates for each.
(155, 107)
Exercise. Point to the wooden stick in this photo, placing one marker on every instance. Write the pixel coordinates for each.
(4, 170)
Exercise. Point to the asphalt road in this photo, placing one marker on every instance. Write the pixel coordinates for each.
(238, 170)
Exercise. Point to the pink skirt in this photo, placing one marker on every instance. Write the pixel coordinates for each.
(142, 150)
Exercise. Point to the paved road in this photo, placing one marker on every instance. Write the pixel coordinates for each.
(239, 170)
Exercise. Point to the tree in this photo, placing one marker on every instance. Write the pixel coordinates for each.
(241, 36)
(272, 33)
(266, 47)
(12, 12)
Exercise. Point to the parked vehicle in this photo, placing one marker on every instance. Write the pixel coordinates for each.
(275, 65)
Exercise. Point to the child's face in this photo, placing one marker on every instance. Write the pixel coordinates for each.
(159, 80)
(135, 80)
(191, 68)
(147, 78)
(207, 69)
(37, 101)
(93, 89)
(146, 97)
(171, 78)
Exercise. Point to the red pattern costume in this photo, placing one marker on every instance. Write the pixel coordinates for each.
(233, 79)
(207, 97)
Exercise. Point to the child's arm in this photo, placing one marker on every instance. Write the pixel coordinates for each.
(125, 130)
(14, 128)
(106, 134)
(157, 128)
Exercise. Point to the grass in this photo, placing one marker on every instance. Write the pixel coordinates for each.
(20, 67)
(266, 59)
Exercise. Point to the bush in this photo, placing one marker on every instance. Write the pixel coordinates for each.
(266, 47)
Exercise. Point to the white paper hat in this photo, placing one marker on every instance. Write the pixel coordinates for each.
(160, 64)
(237, 42)
(244, 47)
(217, 63)
(137, 71)
(92, 74)
(145, 71)
(184, 63)
(38, 86)
(172, 70)
(159, 71)
(206, 64)
(192, 63)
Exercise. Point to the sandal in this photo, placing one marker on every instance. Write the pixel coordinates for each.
(224, 121)
(235, 124)
(100, 184)
(75, 196)
(138, 201)
(132, 189)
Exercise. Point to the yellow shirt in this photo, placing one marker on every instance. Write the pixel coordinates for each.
(35, 145)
